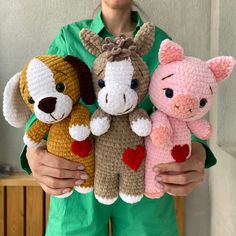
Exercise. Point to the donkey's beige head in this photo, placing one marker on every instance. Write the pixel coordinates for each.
(120, 76)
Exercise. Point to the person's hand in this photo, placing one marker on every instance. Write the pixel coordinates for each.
(179, 179)
(55, 175)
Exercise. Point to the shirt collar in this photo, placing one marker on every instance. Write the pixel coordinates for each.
(98, 25)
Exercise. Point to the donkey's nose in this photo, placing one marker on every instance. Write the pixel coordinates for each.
(48, 104)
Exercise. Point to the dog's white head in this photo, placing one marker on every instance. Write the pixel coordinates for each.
(49, 85)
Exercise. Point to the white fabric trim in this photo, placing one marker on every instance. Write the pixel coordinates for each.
(106, 201)
(83, 190)
(131, 198)
(99, 126)
(142, 127)
(79, 132)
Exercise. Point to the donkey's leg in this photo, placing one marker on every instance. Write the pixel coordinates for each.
(132, 185)
(106, 187)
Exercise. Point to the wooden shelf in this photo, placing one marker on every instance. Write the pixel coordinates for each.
(18, 179)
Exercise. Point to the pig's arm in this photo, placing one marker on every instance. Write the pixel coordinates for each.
(201, 128)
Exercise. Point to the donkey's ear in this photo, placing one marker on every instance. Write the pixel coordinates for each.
(91, 41)
(144, 38)
(85, 79)
(15, 110)
(221, 67)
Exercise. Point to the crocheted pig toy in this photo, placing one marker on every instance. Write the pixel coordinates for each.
(182, 89)
(51, 86)
(121, 80)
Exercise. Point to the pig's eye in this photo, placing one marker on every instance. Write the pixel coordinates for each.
(203, 102)
(169, 92)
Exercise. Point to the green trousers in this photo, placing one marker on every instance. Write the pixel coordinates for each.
(83, 215)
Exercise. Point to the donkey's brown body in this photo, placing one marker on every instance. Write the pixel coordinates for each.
(120, 79)
(111, 169)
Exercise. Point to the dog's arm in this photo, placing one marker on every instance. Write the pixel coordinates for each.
(140, 122)
(100, 122)
(79, 123)
(35, 134)
(201, 128)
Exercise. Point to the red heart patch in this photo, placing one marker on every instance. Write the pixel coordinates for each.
(134, 158)
(180, 153)
(81, 148)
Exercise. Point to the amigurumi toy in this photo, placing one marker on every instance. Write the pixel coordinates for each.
(182, 89)
(121, 79)
(51, 86)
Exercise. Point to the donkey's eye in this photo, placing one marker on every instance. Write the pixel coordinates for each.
(134, 83)
(169, 92)
(31, 100)
(60, 87)
(101, 83)
(203, 102)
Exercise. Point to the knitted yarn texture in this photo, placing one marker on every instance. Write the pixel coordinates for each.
(51, 86)
(120, 79)
(182, 89)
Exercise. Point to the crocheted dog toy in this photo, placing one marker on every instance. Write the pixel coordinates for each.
(121, 79)
(182, 89)
(51, 87)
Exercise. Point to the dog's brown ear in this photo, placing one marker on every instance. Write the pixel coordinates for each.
(85, 79)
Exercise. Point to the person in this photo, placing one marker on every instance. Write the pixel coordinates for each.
(83, 214)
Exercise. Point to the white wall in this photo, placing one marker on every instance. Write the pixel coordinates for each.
(28, 26)
(223, 177)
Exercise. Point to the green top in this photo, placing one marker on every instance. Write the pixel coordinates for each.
(68, 42)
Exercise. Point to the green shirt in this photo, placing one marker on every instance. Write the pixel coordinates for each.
(68, 42)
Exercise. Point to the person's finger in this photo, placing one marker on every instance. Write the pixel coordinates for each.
(179, 190)
(62, 173)
(52, 191)
(53, 161)
(191, 164)
(181, 179)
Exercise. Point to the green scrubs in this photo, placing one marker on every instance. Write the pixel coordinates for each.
(82, 214)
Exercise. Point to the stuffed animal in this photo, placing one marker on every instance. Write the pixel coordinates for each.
(182, 89)
(51, 86)
(120, 79)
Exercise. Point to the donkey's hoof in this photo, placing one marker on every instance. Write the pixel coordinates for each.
(99, 126)
(131, 198)
(142, 127)
(106, 201)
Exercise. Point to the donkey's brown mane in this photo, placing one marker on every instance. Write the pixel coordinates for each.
(119, 48)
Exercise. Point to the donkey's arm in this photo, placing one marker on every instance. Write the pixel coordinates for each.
(201, 128)
(79, 123)
(35, 134)
(100, 122)
(140, 122)
(162, 133)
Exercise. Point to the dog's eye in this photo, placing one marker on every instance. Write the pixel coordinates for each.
(134, 83)
(203, 102)
(169, 92)
(101, 83)
(31, 100)
(60, 87)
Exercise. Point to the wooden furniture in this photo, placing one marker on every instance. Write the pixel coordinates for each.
(24, 207)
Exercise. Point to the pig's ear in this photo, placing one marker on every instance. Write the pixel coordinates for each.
(221, 67)
(170, 52)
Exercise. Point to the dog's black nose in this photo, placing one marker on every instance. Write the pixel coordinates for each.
(48, 104)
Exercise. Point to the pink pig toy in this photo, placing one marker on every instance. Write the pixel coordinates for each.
(182, 89)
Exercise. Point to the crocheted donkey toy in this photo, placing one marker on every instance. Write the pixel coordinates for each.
(182, 89)
(51, 87)
(121, 80)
